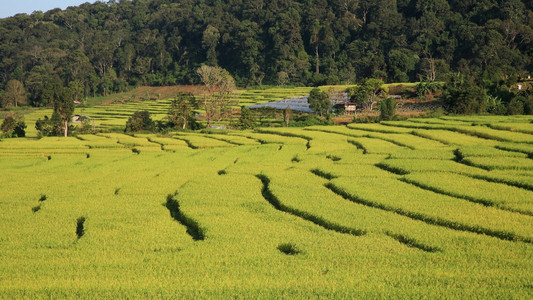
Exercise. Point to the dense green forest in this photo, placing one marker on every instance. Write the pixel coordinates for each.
(105, 47)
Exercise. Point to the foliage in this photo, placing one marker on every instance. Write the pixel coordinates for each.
(14, 94)
(246, 119)
(109, 46)
(516, 105)
(49, 126)
(181, 111)
(367, 93)
(219, 85)
(387, 109)
(87, 126)
(63, 104)
(140, 121)
(289, 248)
(80, 227)
(426, 87)
(308, 120)
(464, 97)
(319, 102)
(528, 106)
(64, 107)
(13, 125)
(495, 105)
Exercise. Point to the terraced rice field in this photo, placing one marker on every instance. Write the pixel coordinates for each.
(424, 208)
(112, 117)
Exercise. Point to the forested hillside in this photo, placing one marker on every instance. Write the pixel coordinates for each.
(99, 48)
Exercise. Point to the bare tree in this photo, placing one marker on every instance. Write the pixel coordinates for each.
(15, 94)
(219, 86)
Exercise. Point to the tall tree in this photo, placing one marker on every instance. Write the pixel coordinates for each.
(209, 42)
(247, 118)
(181, 111)
(14, 95)
(319, 102)
(64, 107)
(315, 41)
(107, 46)
(367, 92)
(218, 85)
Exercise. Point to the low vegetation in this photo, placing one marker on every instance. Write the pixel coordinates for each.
(273, 212)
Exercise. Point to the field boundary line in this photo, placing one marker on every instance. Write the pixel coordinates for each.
(276, 203)
(502, 235)
(192, 227)
(483, 202)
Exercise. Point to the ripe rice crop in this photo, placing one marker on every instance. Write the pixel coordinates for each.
(438, 209)
(423, 154)
(410, 165)
(518, 127)
(494, 134)
(356, 211)
(503, 163)
(523, 148)
(197, 141)
(468, 151)
(379, 128)
(453, 138)
(265, 138)
(480, 191)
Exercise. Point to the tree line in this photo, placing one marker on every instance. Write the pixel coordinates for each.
(106, 47)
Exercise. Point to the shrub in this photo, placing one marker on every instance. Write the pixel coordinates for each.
(181, 112)
(528, 106)
(13, 126)
(309, 120)
(427, 88)
(289, 249)
(319, 102)
(516, 105)
(247, 118)
(367, 119)
(387, 108)
(465, 98)
(49, 126)
(495, 105)
(367, 93)
(140, 121)
(80, 227)
(85, 127)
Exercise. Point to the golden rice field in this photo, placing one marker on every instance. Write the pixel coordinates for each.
(425, 208)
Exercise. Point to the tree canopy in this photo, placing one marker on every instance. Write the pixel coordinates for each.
(319, 102)
(105, 47)
(139, 121)
(216, 100)
(181, 111)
